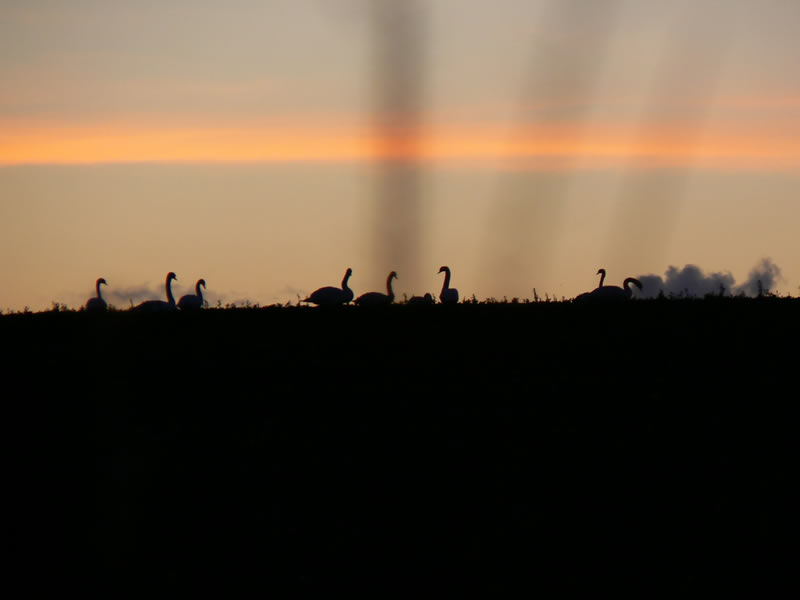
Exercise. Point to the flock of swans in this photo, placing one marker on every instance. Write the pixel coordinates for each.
(336, 296)
(188, 302)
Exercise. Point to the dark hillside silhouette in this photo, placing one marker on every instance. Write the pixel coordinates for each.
(459, 447)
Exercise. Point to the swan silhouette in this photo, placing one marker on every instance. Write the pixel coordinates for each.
(614, 293)
(587, 295)
(449, 295)
(193, 301)
(376, 298)
(97, 304)
(420, 300)
(332, 296)
(160, 305)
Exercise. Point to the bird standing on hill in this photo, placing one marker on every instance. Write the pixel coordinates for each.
(193, 301)
(160, 305)
(97, 304)
(332, 296)
(376, 298)
(449, 295)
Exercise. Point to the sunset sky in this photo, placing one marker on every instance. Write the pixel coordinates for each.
(267, 146)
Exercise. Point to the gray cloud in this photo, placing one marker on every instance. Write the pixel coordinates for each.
(688, 281)
(692, 281)
(763, 278)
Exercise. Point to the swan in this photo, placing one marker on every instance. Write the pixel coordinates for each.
(193, 301)
(160, 305)
(332, 296)
(420, 300)
(449, 295)
(587, 295)
(97, 304)
(613, 293)
(376, 298)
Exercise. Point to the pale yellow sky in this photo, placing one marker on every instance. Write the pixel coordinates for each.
(537, 142)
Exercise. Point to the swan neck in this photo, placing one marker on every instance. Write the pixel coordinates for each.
(344, 282)
(97, 287)
(446, 280)
(199, 291)
(602, 278)
(389, 291)
(627, 285)
(170, 297)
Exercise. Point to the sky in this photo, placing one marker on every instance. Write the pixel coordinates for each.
(268, 146)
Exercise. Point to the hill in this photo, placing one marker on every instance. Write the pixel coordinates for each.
(478, 445)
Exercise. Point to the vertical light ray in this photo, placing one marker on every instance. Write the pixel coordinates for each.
(525, 218)
(399, 44)
(649, 203)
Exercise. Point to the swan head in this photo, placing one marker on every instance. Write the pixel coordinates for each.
(201, 282)
(348, 272)
(99, 281)
(393, 275)
(601, 272)
(444, 269)
(171, 276)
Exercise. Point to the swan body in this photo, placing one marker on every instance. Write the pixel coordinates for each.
(332, 296)
(97, 304)
(420, 300)
(612, 293)
(160, 305)
(376, 298)
(193, 301)
(449, 295)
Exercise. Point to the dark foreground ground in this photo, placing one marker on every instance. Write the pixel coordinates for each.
(426, 450)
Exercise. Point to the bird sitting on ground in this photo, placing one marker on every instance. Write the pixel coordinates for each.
(97, 304)
(332, 296)
(160, 305)
(193, 301)
(376, 298)
(449, 295)
(420, 300)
